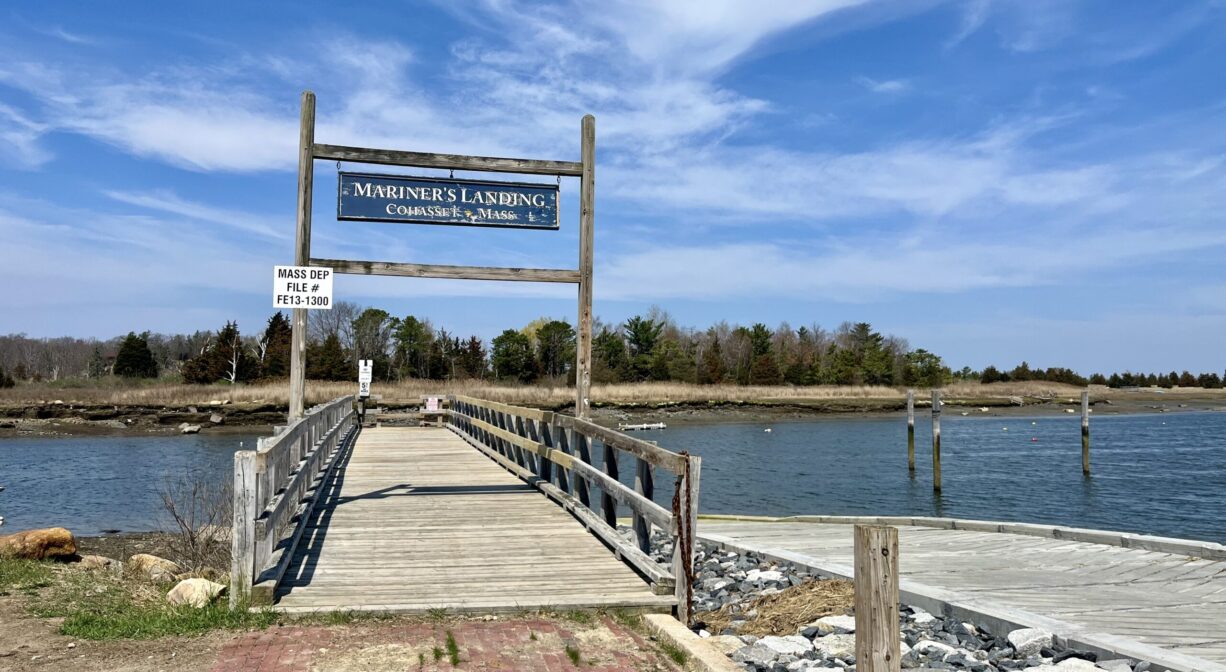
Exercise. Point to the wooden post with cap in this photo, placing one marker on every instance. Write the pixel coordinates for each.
(302, 253)
(587, 201)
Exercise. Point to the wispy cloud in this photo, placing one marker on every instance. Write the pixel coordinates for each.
(974, 14)
(21, 136)
(884, 85)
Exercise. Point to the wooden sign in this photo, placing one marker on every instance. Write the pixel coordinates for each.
(425, 200)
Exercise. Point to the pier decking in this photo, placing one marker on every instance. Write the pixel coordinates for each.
(1164, 607)
(415, 519)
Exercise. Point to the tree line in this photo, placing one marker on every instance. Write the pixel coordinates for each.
(648, 347)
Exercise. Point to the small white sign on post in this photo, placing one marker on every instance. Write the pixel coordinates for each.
(302, 287)
(431, 403)
(366, 368)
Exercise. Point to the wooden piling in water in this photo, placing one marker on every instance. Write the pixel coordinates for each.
(911, 431)
(876, 599)
(1085, 433)
(936, 440)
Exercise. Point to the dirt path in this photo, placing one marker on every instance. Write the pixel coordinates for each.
(601, 645)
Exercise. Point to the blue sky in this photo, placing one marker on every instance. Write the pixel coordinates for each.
(992, 180)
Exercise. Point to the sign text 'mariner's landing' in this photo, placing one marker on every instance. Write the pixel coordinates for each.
(422, 200)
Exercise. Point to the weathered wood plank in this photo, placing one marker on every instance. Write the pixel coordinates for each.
(449, 272)
(587, 220)
(302, 252)
(393, 157)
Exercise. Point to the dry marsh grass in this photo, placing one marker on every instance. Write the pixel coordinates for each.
(172, 394)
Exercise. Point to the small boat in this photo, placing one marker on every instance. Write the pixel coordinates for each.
(642, 425)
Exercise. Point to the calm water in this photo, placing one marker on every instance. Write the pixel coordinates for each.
(99, 483)
(1159, 474)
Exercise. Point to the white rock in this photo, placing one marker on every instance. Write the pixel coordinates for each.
(756, 575)
(921, 617)
(792, 645)
(704, 634)
(1076, 665)
(834, 625)
(1116, 665)
(836, 645)
(927, 646)
(152, 567)
(755, 653)
(195, 592)
(191, 429)
(1029, 641)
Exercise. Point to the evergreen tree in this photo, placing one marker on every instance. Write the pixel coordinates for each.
(6, 381)
(609, 360)
(555, 347)
(765, 371)
(924, 369)
(275, 347)
(223, 358)
(711, 370)
(98, 366)
(134, 359)
(327, 361)
(472, 358)
(512, 357)
(412, 340)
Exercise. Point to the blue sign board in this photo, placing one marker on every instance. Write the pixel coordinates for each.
(427, 200)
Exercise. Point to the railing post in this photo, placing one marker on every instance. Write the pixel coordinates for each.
(936, 441)
(911, 431)
(608, 505)
(645, 485)
(242, 562)
(542, 433)
(563, 444)
(583, 445)
(685, 522)
(876, 599)
(1085, 433)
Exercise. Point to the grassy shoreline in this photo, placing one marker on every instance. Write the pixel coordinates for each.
(50, 409)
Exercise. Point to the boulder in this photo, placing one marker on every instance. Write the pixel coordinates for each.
(1029, 641)
(97, 562)
(198, 593)
(1076, 665)
(834, 625)
(727, 644)
(792, 645)
(836, 646)
(756, 575)
(1116, 665)
(929, 647)
(217, 419)
(921, 617)
(191, 429)
(152, 567)
(40, 544)
(756, 654)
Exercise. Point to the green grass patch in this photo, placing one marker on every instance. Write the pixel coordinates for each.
(438, 653)
(101, 605)
(630, 619)
(572, 652)
(675, 653)
(453, 650)
(578, 616)
(24, 575)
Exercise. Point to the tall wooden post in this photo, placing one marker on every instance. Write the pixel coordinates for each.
(685, 524)
(1085, 433)
(302, 253)
(587, 202)
(911, 431)
(936, 440)
(876, 600)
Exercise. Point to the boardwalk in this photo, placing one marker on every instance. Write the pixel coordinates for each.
(1172, 607)
(415, 519)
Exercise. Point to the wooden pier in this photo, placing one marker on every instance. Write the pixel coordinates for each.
(1160, 600)
(491, 513)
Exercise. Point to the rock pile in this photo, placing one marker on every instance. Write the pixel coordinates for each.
(928, 641)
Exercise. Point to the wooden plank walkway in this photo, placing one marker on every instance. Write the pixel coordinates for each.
(1173, 602)
(415, 519)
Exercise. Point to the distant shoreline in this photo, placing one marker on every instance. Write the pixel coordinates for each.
(136, 412)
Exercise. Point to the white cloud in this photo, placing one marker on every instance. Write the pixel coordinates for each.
(167, 202)
(974, 14)
(884, 86)
(21, 135)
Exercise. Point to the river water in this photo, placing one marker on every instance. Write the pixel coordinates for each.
(1158, 474)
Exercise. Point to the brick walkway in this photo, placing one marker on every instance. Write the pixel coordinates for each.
(513, 644)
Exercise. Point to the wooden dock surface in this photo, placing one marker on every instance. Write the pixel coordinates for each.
(1106, 593)
(415, 519)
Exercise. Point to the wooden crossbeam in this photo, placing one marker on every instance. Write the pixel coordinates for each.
(393, 157)
(449, 272)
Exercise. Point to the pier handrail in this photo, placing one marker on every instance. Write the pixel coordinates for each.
(553, 452)
(275, 487)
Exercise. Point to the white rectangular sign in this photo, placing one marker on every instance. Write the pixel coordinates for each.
(364, 388)
(302, 287)
(365, 368)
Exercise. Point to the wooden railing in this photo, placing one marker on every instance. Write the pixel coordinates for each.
(275, 489)
(554, 453)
